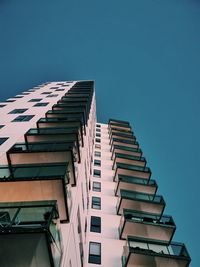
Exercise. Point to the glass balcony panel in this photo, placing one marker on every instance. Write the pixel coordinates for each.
(135, 184)
(154, 254)
(128, 159)
(146, 225)
(140, 202)
(132, 170)
(36, 190)
(28, 234)
(45, 153)
(126, 150)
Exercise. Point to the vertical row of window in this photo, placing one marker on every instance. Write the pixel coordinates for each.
(95, 223)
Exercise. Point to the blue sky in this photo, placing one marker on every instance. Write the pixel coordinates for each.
(144, 56)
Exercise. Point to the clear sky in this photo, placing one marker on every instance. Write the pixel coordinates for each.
(145, 58)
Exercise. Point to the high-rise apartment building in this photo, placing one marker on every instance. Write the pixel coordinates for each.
(76, 193)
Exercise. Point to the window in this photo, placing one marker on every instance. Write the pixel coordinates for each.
(1, 106)
(35, 100)
(96, 186)
(96, 203)
(97, 140)
(97, 162)
(94, 253)
(23, 118)
(98, 135)
(41, 104)
(25, 93)
(3, 139)
(59, 89)
(98, 130)
(45, 93)
(98, 146)
(52, 95)
(54, 87)
(95, 224)
(18, 110)
(10, 100)
(98, 125)
(97, 173)
(97, 153)
(1, 126)
(18, 96)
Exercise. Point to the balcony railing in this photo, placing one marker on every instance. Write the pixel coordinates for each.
(142, 253)
(126, 150)
(146, 225)
(140, 202)
(29, 234)
(128, 159)
(34, 182)
(131, 170)
(61, 122)
(135, 184)
(45, 153)
(51, 134)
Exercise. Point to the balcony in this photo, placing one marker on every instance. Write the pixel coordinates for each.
(140, 202)
(66, 114)
(128, 159)
(54, 134)
(72, 106)
(126, 150)
(118, 122)
(45, 153)
(121, 136)
(140, 253)
(135, 184)
(119, 127)
(62, 123)
(146, 225)
(131, 170)
(29, 235)
(36, 182)
(123, 142)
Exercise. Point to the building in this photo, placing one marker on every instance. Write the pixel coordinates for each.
(74, 192)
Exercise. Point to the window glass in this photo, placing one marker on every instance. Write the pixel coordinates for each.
(97, 140)
(96, 203)
(3, 139)
(1, 106)
(95, 224)
(35, 100)
(98, 135)
(95, 252)
(1, 126)
(97, 154)
(97, 146)
(98, 125)
(23, 118)
(96, 186)
(97, 162)
(18, 110)
(52, 95)
(41, 104)
(96, 173)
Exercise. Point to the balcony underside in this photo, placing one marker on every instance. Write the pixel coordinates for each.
(24, 250)
(135, 187)
(136, 173)
(40, 190)
(140, 205)
(126, 152)
(29, 158)
(139, 260)
(147, 231)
